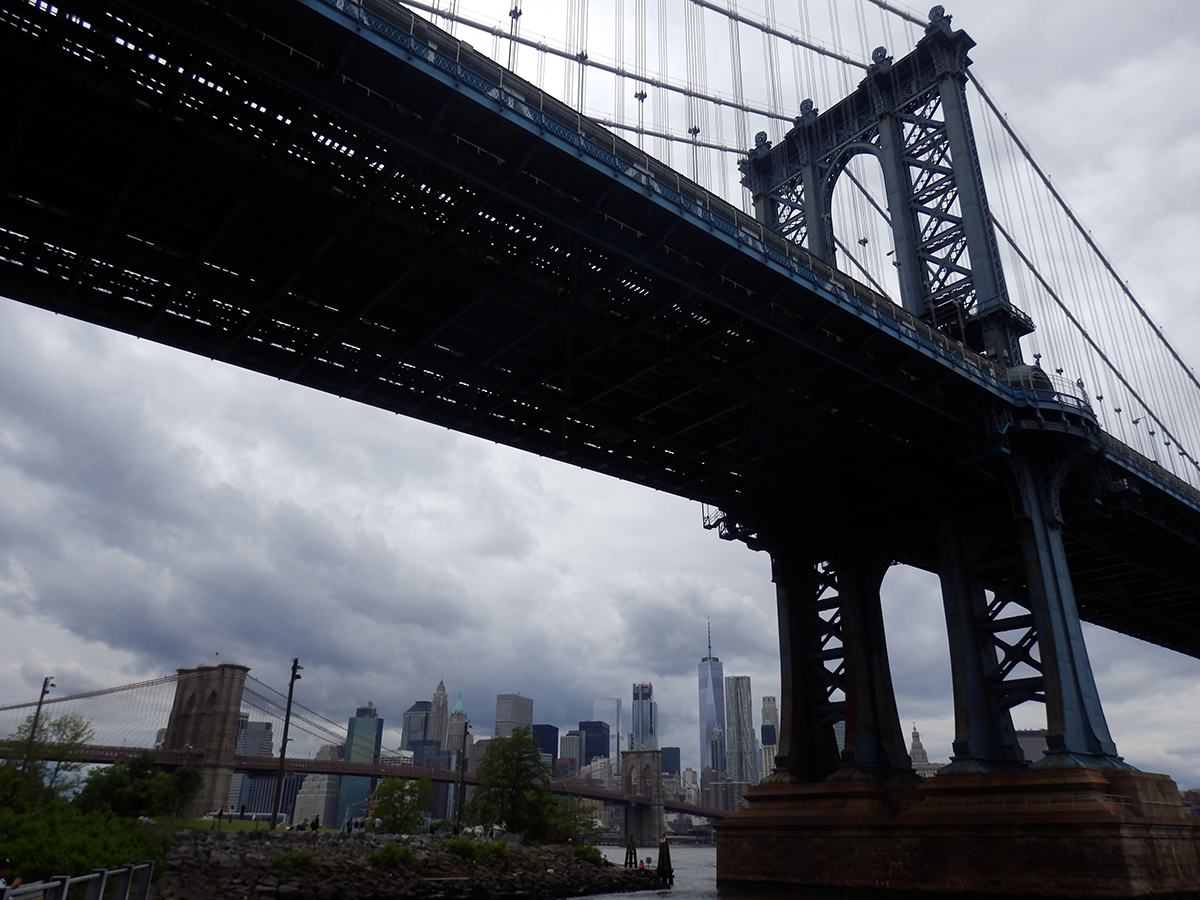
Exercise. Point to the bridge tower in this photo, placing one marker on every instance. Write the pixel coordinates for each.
(204, 722)
(641, 775)
(1013, 623)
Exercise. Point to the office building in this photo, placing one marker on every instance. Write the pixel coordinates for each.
(670, 761)
(712, 712)
(457, 737)
(570, 750)
(920, 759)
(253, 739)
(595, 741)
(770, 737)
(770, 722)
(547, 740)
(364, 738)
(318, 797)
(512, 711)
(608, 709)
(741, 746)
(643, 733)
(439, 717)
(416, 724)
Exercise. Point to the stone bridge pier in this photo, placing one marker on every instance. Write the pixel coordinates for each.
(641, 775)
(204, 722)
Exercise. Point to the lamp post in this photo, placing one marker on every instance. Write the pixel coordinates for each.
(46, 685)
(287, 721)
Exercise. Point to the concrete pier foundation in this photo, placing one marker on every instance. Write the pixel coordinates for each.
(1049, 833)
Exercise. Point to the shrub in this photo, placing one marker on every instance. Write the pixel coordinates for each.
(588, 853)
(57, 839)
(294, 862)
(461, 846)
(480, 850)
(393, 856)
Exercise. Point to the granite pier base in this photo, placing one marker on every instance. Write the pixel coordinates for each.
(1049, 833)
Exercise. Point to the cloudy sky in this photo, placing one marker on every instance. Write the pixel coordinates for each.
(157, 508)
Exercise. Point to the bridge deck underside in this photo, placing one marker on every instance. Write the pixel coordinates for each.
(267, 189)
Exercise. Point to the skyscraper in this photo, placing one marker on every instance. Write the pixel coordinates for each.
(741, 749)
(547, 739)
(644, 733)
(770, 736)
(608, 709)
(364, 737)
(512, 710)
(416, 724)
(456, 728)
(712, 710)
(595, 741)
(439, 717)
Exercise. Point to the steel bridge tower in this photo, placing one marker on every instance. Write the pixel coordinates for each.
(1013, 623)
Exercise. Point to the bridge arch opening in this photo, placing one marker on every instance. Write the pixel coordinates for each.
(862, 232)
(919, 657)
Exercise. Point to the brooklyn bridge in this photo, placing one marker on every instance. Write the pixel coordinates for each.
(347, 197)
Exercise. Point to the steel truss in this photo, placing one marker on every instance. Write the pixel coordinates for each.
(912, 116)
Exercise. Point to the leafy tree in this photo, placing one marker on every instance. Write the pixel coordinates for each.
(402, 802)
(55, 755)
(138, 788)
(514, 787)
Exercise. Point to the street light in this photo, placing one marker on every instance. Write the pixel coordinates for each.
(287, 721)
(46, 685)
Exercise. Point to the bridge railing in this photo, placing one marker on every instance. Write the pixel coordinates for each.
(1039, 386)
(124, 883)
(459, 60)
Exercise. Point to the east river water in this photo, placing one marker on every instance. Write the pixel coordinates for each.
(695, 876)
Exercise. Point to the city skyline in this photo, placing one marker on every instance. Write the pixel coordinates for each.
(161, 507)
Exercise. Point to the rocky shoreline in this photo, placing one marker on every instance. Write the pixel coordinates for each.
(333, 866)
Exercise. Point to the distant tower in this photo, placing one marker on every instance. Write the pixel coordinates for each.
(439, 718)
(920, 759)
(416, 724)
(512, 711)
(456, 728)
(770, 735)
(608, 709)
(364, 738)
(741, 752)
(712, 710)
(644, 734)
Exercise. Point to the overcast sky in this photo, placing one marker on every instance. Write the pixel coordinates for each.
(158, 508)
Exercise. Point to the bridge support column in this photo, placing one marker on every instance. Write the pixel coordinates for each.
(641, 775)
(204, 724)
(834, 667)
(1076, 730)
(984, 738)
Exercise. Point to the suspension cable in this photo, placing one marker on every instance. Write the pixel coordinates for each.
(783, 35)
(1078, 225)
(620, 71)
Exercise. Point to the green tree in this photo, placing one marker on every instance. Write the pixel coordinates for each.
(55, 754)
(402, 803)
(514, 787)
(139, 787)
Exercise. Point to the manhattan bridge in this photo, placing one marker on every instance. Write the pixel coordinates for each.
(797, 267)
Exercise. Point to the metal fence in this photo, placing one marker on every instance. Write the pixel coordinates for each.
(124, 883)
